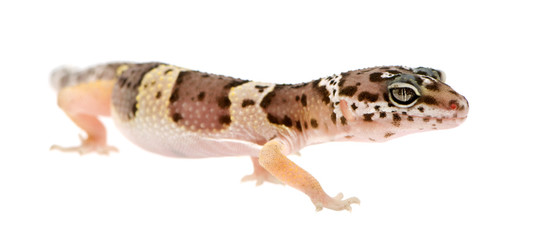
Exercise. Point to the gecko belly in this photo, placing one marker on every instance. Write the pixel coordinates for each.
(172, 141)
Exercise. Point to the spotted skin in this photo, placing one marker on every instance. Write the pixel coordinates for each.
(183, 113)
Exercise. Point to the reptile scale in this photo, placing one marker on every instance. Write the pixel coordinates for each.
(183, 113)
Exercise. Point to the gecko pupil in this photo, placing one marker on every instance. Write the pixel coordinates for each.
(403, 96)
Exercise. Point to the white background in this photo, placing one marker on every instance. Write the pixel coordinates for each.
(476, 181)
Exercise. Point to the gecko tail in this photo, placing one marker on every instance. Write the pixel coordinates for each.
(62, 76)
(66, 76)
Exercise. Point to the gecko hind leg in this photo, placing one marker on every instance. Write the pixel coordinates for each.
(83, 103)
(260, 175)
(274, 161)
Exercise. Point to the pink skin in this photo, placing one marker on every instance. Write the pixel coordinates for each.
(82, 104)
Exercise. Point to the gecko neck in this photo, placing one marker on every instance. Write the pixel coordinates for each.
(309, 111)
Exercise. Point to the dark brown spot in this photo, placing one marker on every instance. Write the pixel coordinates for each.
(134, 108)
(429, 100)
(314, 123)
(388, 134)
(201, 96)
(324, 93)
(376, 77)
(247, 102)
(298, 126)
(383, 114)
(181, 76)
(396, 117)
(287, 121)
(367, 96)
(204, 75)
(334, 118)
(260, 88)
(224, 102)
(421, 109)
(297, 98)
(396, 120)
(225, 119)
(168, 71)
(439, 120)
(454, 92)
(158, 94)
(267, 100)
(304, 100)
(174, 96)
(394, 72)
(410, 118)
(354, 107)
(348, 91)
(272, 119)
(377, 108)
(234, 83)
(343, 120)
(305, 125)
(176, 117)
(432, 87)
(367, 117)
(426, 119)
(348, 136)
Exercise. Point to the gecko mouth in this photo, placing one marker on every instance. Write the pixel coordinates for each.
(440, 122)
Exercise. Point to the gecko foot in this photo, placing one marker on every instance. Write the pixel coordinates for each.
(261, 178)
(260, 175)
(88, 145)
(336, 203)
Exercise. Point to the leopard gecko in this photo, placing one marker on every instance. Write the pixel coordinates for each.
(184, 113)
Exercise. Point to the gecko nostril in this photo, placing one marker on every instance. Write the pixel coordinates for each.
(453, 105)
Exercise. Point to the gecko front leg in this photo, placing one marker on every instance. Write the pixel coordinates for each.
(271, 157)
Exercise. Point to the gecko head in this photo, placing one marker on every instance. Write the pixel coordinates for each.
(395, 101)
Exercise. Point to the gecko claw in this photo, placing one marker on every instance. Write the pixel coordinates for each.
(337, 203)
(88, 145)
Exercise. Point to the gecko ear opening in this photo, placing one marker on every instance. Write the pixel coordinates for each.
(346, 111)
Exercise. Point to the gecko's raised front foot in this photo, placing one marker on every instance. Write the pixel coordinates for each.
(336, 203)
(88, 145)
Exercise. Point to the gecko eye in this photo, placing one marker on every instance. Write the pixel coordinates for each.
(403, 94)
